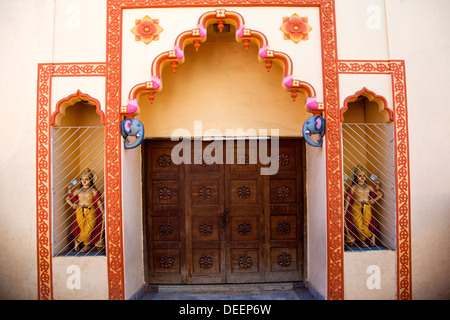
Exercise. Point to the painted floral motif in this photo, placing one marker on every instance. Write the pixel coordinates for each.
(295, 28)
(147, 29)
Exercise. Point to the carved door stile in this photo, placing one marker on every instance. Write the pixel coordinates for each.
(164, 200)
(206, 244)
(245, 218)
(284, 198)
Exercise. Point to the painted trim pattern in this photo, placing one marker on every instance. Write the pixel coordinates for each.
(395, 68)
(46, 71)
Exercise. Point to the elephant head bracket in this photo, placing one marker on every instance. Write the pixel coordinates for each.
(314, 125)
(132, 127)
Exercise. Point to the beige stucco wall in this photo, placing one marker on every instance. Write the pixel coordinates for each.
(43, 31)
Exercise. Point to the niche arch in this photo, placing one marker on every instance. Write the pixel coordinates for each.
(198, 35)
(371, 97)
(69, 101)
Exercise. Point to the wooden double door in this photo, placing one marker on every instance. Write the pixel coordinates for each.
(223, 223)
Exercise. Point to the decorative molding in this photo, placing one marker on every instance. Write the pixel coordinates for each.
(205, 262)
(395, 68)
(164, 193)
(46, 71)
(205, 229)
(204, 193)
(166, 261)
(283, 159)
(244, 229)
(245, 261)
(284, 259)
(284, 227)
(165, 229)
(164, 160)
(244, 192)
(283, 191)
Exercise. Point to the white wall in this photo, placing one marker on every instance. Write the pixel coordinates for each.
(25, 27)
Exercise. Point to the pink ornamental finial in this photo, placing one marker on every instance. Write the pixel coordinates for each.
(179, 53)
(156, 82)
(311, 103)
(132, 106)
(288, 81)
(240, 31)
(202, 30)
(263, 52)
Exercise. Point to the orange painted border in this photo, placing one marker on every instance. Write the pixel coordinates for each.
(395, 68)
(333, 143)
(43, 163)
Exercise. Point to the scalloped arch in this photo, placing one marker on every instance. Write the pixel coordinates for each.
(72, 99)
(371, 96)
(198, 35)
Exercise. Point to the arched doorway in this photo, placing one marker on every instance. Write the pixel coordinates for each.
(223, 222)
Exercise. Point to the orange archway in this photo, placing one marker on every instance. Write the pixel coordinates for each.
(196, 36)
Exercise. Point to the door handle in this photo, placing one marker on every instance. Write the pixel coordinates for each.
(222, 221)
(224, 218)
(227, 215)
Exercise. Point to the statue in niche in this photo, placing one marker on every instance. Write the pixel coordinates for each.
(88, 226)
(360, 227)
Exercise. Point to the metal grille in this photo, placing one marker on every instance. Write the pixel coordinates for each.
(74, 150)
(369, 219)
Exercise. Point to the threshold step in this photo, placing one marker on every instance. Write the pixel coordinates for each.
(236, 287)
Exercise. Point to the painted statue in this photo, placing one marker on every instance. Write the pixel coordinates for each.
(314, 125)
(360, 227)
(88, 228)
(132, 127)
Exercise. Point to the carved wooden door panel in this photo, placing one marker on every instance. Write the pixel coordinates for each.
(205, 245)
(164, 200)
(283, 195)
(244, 217)
(223, 223)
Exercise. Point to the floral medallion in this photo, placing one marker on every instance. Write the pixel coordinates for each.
(147, 29)
(295, 28)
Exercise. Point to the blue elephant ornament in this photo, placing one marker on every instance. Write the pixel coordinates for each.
(314, 125)
(132, 127)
